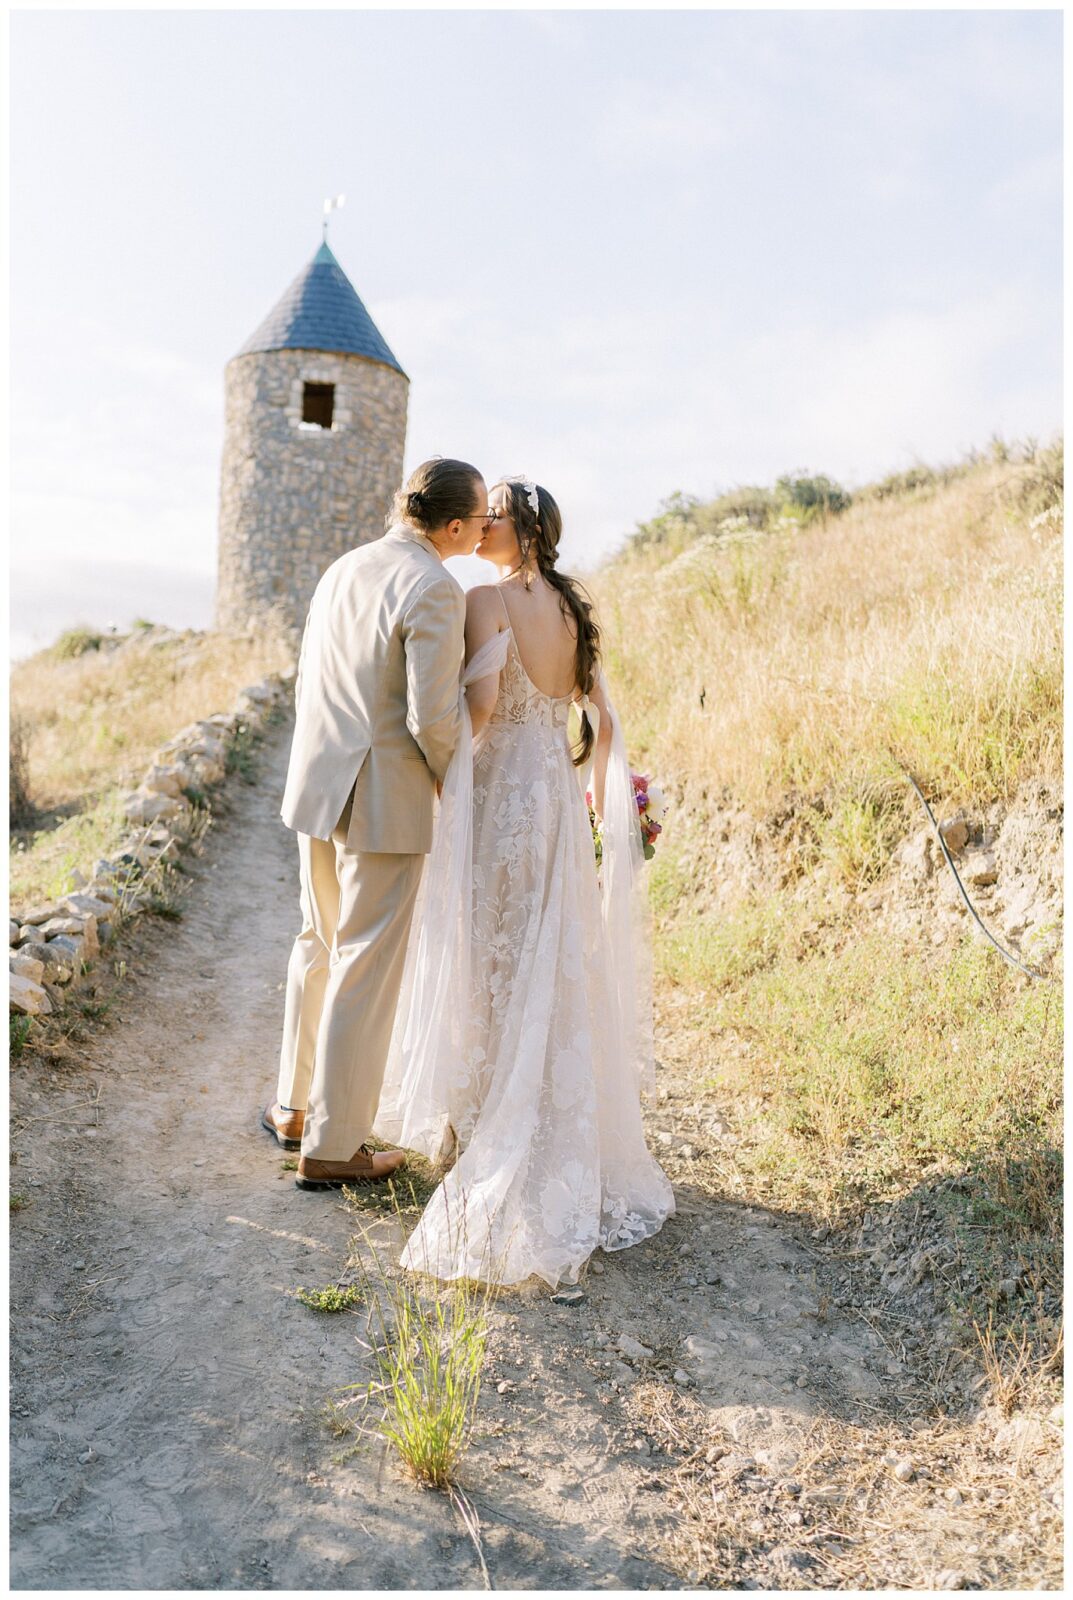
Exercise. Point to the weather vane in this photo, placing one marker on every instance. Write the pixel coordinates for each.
(335, 204)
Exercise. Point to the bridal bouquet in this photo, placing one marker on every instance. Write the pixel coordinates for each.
(597, 840)
(651, 810)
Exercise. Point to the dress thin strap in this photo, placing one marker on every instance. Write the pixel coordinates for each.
(503, 603)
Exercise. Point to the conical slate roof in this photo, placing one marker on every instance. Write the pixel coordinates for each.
(321, 311)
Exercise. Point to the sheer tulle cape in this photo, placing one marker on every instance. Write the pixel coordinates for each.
(429, 1038)
(626, 913)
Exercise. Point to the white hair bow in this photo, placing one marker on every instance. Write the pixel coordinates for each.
(530, 490)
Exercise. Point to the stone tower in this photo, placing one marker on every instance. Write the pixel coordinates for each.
(314, 435)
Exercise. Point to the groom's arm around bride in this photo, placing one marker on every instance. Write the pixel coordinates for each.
(377, 722)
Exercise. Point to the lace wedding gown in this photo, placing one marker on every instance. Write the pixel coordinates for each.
(523, 1035)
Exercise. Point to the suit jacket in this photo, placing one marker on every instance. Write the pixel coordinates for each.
(377, 695)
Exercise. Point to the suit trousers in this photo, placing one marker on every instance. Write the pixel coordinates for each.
(343, 981)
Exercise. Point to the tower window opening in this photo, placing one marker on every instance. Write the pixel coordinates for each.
(318, 404)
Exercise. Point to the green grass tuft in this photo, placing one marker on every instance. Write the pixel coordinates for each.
(19, 1029)
(406, 1193)
(429, 1362)
(331, 1298)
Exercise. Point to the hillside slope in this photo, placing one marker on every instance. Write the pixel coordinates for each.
(865, 1057)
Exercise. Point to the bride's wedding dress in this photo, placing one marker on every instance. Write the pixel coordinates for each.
(523, 1034)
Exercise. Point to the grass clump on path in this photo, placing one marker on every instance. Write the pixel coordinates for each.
(332, 1297)
(404, 1194)
(428, 1338)
(429, 1363)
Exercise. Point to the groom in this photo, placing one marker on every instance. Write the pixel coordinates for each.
(377, 723)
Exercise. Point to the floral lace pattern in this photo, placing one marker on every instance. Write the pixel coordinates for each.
(541, 1100)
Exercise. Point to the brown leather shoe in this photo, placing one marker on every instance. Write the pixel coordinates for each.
(365, 1166)
(285, 1125)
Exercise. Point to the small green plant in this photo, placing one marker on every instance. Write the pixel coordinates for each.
(19, 1033)
(94, 1010)
(290, 1165)
(239, 759)
(335, 1419)
(17, 1202)
(162, 905)
(333, 1297)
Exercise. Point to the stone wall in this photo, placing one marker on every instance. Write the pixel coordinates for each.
(294, 497)
(53, 944)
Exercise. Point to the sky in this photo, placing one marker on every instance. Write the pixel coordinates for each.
(625, 253)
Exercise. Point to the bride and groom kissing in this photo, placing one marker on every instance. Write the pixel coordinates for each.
(467, 983)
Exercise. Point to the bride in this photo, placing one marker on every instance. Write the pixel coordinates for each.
(523, 1034)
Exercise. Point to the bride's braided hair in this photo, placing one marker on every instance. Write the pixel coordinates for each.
(538, 536)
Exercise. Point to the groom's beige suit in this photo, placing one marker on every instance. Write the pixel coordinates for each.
(377, 722)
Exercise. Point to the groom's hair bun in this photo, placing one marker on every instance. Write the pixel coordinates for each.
(438, 491)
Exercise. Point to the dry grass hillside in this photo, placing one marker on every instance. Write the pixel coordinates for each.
(87, 715)
(879, 1068)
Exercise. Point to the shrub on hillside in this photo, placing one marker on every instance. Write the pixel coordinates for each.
(897, 485)
(750, 504)
(76, 642)
(683, 518)
(21, 810)
(1041, 487)
(676, 516)
(815, 497)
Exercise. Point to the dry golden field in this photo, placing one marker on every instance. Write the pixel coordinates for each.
(926, 624)
(88, 718)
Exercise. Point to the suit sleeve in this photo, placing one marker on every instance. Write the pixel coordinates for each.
(301, 660)
(433, 633)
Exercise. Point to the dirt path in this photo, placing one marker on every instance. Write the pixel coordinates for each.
(168, 1391)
